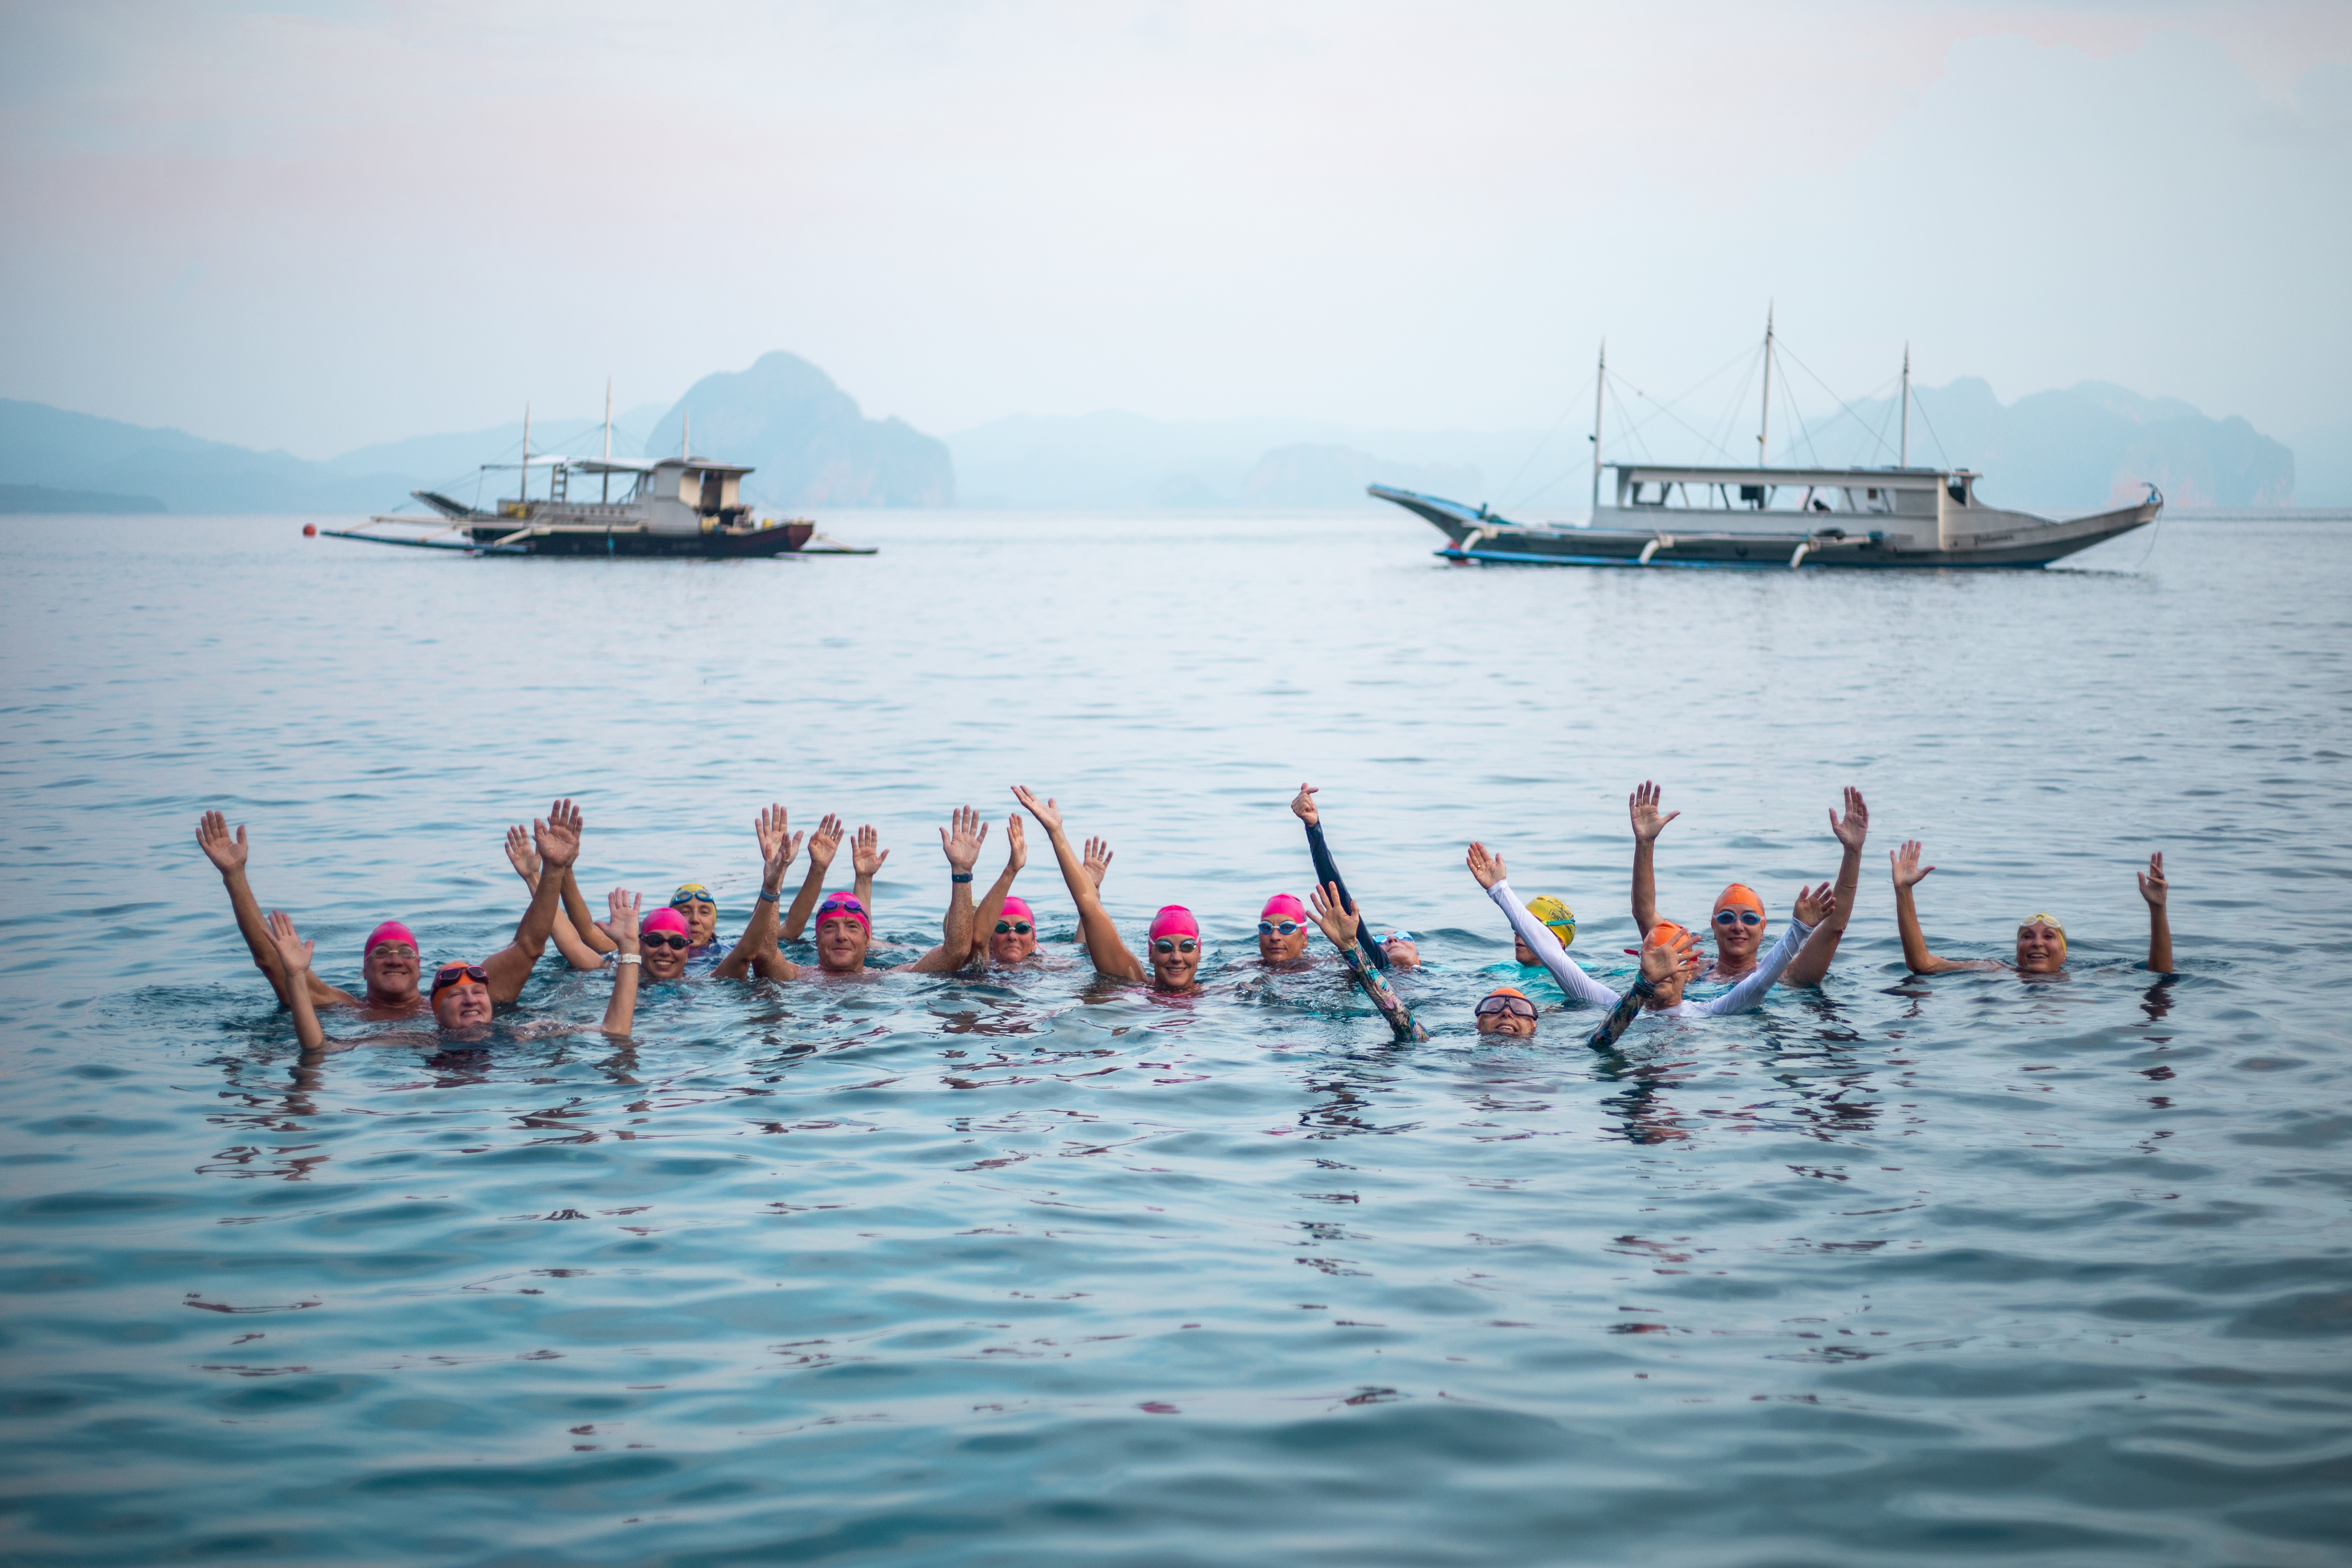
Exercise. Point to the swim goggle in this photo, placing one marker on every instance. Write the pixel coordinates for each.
(692, 893)
(1517, 1007)
(844, 904)
(674, 939)
(1019, 928)
(1287, 926)
(450, 974)
(1737, 916)
(1176, 944)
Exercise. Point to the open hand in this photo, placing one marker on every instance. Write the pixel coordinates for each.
(866, 851)
(824, 842)
(292, 951)
(1643, 806)
(1813, 904)
(621, 924)
(961, 840)
(1661, 961)
(2152, 885)
(225, 853)
(777, 846)
(521, 856)
(1854, 826)
(1016, 843)
(1488, 867)
(1096, 863)
(558, 837)
(1302, 806)
(1339, 924)
(1908, 872)
(1049, 816)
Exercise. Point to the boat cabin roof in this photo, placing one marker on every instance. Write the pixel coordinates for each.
(626, 465)
(1820, 479)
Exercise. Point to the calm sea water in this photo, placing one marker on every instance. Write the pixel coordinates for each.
(943, 1271)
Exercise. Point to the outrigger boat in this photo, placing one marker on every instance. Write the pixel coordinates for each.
(1673, 515)
(681, 507)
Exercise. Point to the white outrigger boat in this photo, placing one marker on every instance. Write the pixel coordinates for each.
(681, 507)
(1663, 514)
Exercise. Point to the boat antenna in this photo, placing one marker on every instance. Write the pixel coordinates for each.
(522, 492)
(1599, 385)
(608, 418)
(1904, 459)
(1764, 427)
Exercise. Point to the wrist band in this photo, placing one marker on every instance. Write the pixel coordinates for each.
(768, 898)
(960, 877)
(629, 958)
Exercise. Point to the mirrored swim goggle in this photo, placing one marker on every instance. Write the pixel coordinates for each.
(450, 974)
(843, 905)
(1176, 944)
(1019, 928)
(1517, 1007)
(673, 938)
(1286, 925)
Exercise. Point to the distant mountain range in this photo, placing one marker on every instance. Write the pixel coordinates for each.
(811, 447)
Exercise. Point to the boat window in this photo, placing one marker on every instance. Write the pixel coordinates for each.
(711, 489)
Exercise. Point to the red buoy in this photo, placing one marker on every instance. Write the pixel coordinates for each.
(309, 530)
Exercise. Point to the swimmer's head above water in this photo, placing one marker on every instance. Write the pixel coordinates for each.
(1507, 1010)
(1282, 929)
(2041, 945)
(461, 996)
(1175, 948)
(664, 938)
(1016, 936)
(389, 962)
(693, 900)
(1402, 951)
(843, 931)
(1739, 923)
(1557, 918)
(1677, 939)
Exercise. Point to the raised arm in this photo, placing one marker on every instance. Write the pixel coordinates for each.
(991, 908)
(1812, 960)
(1098, 865)
(961, 847)
(821, 844)
(1096, 928)
(577, 950)
(1909, 874)
(757, 946)
(1343, 926)
(1643, 806)
(866, 855)
(2154, 890)
(558, 841)
(1813, 905)
(1326, 873)
(1660, 962)
(1492, 876)
(228, 855)
(293, 954)
(621, 1012)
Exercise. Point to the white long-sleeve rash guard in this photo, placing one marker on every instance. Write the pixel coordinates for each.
(1584, 988)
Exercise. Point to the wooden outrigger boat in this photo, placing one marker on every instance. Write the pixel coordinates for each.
(1673, 515)
(673, 508)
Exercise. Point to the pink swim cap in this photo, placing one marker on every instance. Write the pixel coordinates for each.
(391, 931)
(1174, 920)
(1283, 904)
(845, 906)
(1017, 908)
(665, 920)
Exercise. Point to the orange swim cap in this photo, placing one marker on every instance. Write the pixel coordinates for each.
(1507, 990)
(1736, 894)
(1665, 933)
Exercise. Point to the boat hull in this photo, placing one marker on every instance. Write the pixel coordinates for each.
(1692, 539)
(784, 539)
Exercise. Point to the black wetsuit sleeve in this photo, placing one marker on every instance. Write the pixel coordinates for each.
(1621, 1017)
(1327, 875)
(1401, 1023)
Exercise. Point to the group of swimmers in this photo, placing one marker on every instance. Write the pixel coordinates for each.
(999, 931)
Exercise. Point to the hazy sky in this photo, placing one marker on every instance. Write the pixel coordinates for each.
(317, 226)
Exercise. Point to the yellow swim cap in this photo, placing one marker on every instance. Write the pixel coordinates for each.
(1555, 914)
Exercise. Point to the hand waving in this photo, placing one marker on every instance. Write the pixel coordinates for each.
(2152, 885)
(1016, 843)
(559, 835)
(962, 839)
(865, 853)
(1813, 904)
(621, 924)
(1097, 860)
(225, 853)
(1908, 872)
(1643, 806)
(825, 842)
(1488, 867)
(1855, 826)
(1339, 924)
(1049, 816)
(1661, 961)
(1302, 806)
(777, 846)
(292, 951)
(521, 856)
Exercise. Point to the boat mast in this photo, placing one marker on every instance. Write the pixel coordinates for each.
(1600, 386)
(608, 437)
(685, 440)
(1764, 427)
(522, 488)
(1904, 460)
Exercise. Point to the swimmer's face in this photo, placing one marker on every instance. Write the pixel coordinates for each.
(1402, 953)
(841, 944)
(701, 920)
(465, 1006)
(1012, 946)
(1668, 993)
(662, 961)
(1276, 948)
(1522, 952)
(1173, 968)
(390, 971)
(1735, 941)
(2040, 950)
(1510, 1024)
